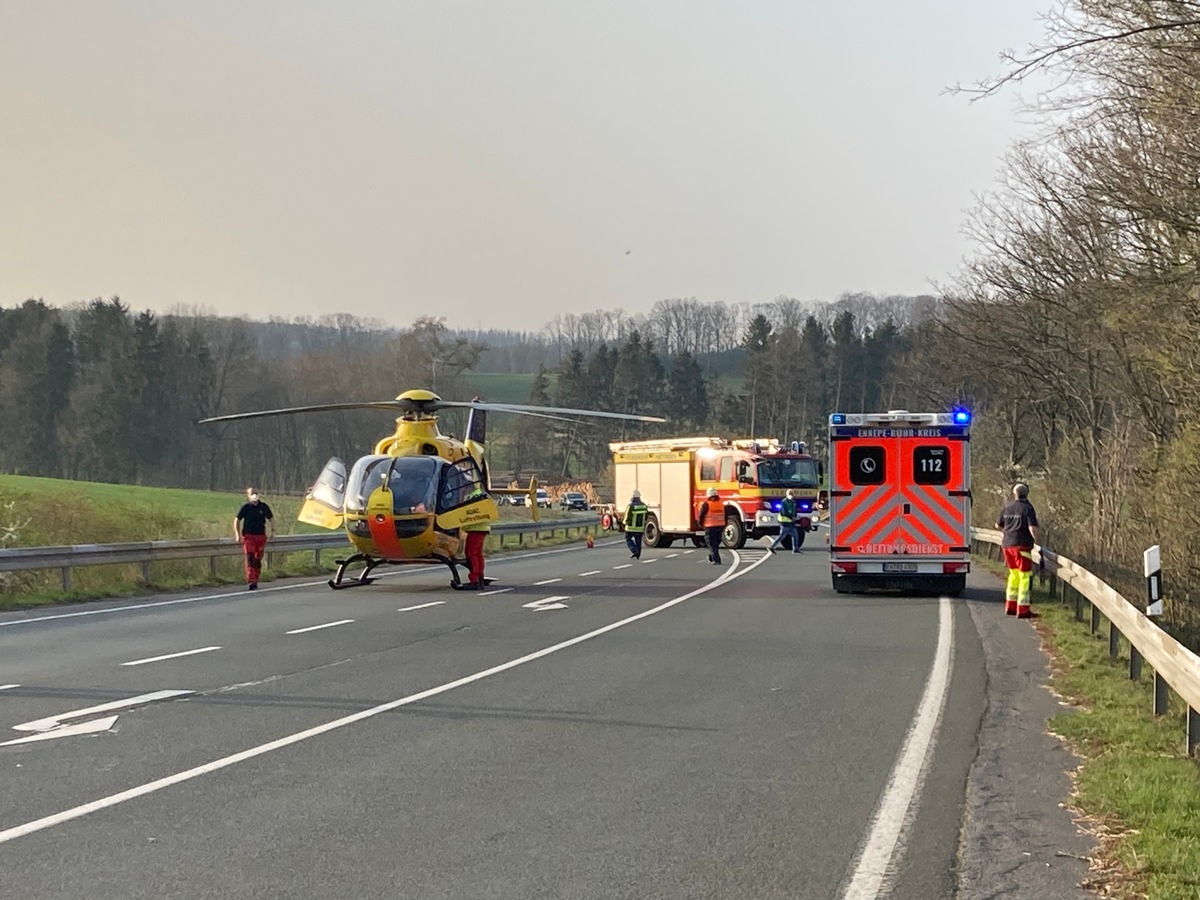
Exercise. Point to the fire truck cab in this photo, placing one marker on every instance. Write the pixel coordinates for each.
(900, 501)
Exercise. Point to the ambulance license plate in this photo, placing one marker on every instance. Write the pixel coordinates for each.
(899, 567)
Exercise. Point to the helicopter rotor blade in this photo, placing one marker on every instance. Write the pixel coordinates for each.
(390, 405)
(546, 411)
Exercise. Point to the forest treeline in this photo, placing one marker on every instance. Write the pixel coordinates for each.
(98, 392)
(1070, 331)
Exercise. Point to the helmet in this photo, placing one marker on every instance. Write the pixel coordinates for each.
(712, 492)
(637, 495)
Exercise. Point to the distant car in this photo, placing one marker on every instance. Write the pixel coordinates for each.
(543, 498)
(573, 500)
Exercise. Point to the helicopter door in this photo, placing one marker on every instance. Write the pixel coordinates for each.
(324, 504)
(454, 509)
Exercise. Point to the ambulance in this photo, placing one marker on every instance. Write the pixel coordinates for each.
(900, 501)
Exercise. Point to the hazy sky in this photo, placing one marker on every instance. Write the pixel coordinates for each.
(494, 162)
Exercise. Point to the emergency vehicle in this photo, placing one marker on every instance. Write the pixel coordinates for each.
(900, 501)
(751, 476)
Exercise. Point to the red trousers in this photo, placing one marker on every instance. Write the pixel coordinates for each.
(254, 544)
(474, 553)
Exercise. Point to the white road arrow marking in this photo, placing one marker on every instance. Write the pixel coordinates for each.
(51, 722)
(93, 727)
(52, 727)
(547, 603)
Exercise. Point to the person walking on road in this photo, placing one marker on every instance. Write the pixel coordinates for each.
(712, 519)
(635, 524)
(477, 533)
(1018, 520)
(787, 524)
(253, 526)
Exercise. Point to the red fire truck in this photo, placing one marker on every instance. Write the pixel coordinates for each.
(900, 501)
(673, 476)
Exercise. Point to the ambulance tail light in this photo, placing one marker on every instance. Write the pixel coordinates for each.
(955, 568)
(846, 568)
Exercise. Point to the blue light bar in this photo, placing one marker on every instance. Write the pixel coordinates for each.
(838, 418)
(962, 417)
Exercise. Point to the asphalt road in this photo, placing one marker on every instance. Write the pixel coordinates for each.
(595, 726)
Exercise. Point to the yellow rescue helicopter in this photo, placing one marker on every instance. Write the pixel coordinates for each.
(407, 502)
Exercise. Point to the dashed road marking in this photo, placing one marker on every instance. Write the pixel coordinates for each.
(319, 627)
(547, 581)
(153, 659)
(421, 606)
(593, 572)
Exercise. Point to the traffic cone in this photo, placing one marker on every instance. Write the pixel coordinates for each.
(591, 543)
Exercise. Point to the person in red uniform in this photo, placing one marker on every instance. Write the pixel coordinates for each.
(1018, 521)
(253, 526)
(476, 534)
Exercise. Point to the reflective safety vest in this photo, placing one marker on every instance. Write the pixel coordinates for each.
(787, 512)
(635, 516)
(712, 514)
(477, 494)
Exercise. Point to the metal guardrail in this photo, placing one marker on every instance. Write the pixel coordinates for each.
(145, 553)
(1175, 666)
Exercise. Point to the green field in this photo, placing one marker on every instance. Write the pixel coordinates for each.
(46, 512)
(503, 387)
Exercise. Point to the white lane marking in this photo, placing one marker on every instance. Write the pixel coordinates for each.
(319, 627)
(546, 603)
(150, 787)
(547, 581)
(593, 572)
(262, 590)
(896, 806)
(142, 662)
(648, 561)
(93, 727)
(693, 550)
(422, 606)
(54, 721)
(8, 687)
(672, 555)
(496, 591)
(625, 566)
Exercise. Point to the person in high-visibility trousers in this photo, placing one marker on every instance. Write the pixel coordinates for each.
(477, 533)
(1018, 520)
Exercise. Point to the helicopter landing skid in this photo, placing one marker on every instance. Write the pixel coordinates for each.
(339, 582)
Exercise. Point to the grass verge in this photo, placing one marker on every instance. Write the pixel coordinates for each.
(1136, 789)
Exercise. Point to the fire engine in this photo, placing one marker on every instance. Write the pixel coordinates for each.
(673, 476)
(900, 501)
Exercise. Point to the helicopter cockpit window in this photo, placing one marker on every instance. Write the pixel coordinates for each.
(364, 478)
(413, 483)
(459, 479)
